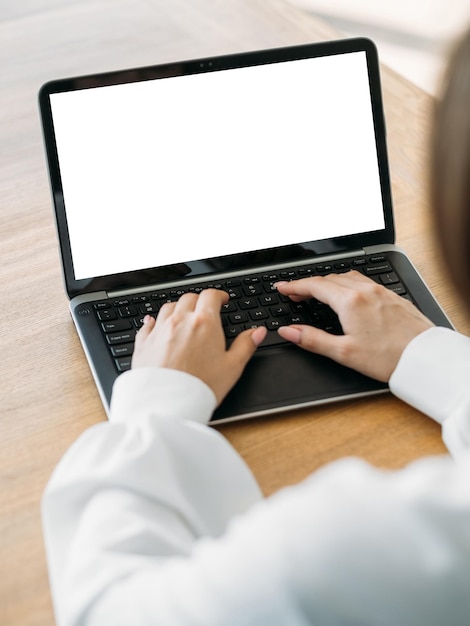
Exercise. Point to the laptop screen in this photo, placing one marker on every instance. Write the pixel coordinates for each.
(187, 167)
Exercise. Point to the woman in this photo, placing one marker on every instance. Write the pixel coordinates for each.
(153, 518)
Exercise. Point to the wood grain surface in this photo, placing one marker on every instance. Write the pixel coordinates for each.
(48, 394)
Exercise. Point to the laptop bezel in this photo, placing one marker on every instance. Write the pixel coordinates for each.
(240, 262)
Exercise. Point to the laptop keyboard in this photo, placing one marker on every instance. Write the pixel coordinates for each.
(253, 302)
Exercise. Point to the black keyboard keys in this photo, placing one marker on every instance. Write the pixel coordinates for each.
(253, 301)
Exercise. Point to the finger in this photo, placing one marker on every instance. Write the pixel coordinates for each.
(244, 346)
(212, 299)
(315, 340)
(146, 328)
(353, 276)
(186, 303)
(327, 289)
(165, 311)
(258, 335)
(320, 287)
(349, 279)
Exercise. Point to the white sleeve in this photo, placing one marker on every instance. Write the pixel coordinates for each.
(154, 519)
(349, 546)
(147, 484)
(433, 375)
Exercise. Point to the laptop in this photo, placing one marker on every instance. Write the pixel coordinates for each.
(229, 172)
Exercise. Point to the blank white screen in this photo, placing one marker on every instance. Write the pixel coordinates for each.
(192, 167)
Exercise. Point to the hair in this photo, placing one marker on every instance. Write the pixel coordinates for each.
(450, 168)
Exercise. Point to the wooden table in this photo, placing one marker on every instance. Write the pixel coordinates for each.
(48, 395)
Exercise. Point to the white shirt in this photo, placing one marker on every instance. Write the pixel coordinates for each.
(153, 519)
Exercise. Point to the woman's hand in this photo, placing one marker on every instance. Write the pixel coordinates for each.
(187, 335)
(377, 323)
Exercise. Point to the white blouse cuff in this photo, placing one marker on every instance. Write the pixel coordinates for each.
(160, 391)
(433, 372)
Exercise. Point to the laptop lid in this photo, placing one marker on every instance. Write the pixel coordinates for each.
(218, 164)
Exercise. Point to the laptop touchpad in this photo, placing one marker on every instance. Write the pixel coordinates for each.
(293, 377)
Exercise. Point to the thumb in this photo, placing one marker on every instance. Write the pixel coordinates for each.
(244, 346)
(313, 339)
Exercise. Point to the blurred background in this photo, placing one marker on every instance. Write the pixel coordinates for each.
(412, 36)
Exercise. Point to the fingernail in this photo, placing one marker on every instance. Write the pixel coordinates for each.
(291, 334)
(296, 335)
(280, 282)
(258, 335)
